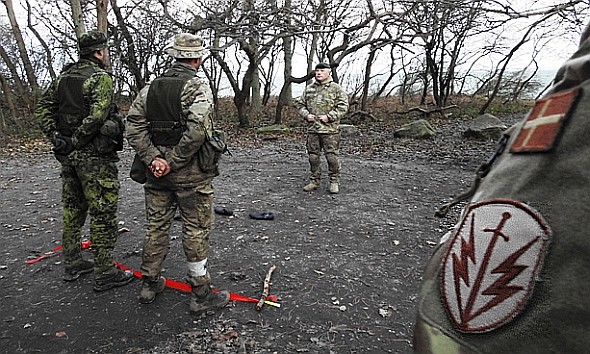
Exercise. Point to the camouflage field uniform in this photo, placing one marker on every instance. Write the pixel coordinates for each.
(321, 98)
(512, 277)
(186, 187)
(77, 107)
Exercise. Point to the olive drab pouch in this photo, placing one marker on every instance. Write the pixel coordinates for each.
(111, 135)
(512, 276)
(138, 171)
(210, 152)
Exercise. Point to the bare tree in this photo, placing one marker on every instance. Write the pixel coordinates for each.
(248, 29)
(7, 93)
(102, 8)
(47, 51)
(22, 49)
(77, 17)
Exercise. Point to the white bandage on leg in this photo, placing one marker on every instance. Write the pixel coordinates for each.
(197, 269)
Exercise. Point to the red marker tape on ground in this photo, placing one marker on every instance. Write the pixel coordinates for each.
(170, 283)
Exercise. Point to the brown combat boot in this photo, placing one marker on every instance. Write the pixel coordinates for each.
(312, 186)
(203, 298)
(212, 301)
(150, 288)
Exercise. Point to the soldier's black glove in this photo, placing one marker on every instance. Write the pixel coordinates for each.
(62, 145)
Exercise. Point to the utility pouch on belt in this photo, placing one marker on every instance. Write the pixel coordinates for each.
(210, 152)
(165, 133)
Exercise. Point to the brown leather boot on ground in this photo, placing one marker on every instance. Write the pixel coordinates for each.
(151, 288)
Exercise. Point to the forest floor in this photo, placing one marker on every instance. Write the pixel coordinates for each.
(348, 265)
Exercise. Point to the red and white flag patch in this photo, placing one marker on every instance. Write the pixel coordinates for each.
(492, 263)
(544, 123)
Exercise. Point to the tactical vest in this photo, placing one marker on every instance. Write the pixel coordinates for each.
(164, 108)
(71, 107)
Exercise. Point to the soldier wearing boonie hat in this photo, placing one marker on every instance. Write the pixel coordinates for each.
(166, 125)
(187, 46)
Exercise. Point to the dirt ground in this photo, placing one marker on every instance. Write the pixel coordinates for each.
(348, 265)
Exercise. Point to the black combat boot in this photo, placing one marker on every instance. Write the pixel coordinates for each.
(112, 280)
(74, 271)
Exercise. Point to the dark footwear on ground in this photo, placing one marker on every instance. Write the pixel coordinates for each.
(110, 281)
(74, 272)
(334, 188)
(262, 216)
(149, 290)
(223, 211)
(212, 301)
(311, 187)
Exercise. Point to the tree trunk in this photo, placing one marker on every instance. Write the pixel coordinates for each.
(48, 55)
(288, 55)
(367, 80)
(30, 72)
(102, 7)
(131, 58)
(9, 102)
(282, 101)
(241, 97)
(256, 95)
(19, 86)
(77, 17)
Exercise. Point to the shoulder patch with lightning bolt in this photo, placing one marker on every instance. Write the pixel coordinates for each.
(492, 263)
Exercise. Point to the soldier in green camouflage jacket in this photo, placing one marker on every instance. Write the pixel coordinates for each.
(322, 105)
(77, 114)
(167, 124)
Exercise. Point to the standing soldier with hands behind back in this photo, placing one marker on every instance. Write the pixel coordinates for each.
(322, 105)
(76, 114)
(167, 125)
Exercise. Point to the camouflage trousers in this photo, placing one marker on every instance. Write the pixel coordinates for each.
(90, 188)
(330, 144)
(196, 212)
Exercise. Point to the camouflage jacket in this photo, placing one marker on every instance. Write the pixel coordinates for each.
(321, 98)
(511, 276)
(84, 127)
(196, 102)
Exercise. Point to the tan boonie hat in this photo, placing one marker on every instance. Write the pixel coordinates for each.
(188, 46)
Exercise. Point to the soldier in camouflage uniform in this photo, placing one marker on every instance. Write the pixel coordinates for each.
(77, 114)
(512, 276)
(166, 125)
(322, 105)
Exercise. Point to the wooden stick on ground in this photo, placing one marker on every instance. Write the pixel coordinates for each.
(266, 288)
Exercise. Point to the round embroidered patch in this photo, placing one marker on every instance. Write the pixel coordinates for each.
(490, 268)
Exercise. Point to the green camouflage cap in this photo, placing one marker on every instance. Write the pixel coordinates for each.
(187, 46)
(92, 41)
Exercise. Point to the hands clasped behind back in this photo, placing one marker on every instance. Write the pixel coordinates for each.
(159, 167)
